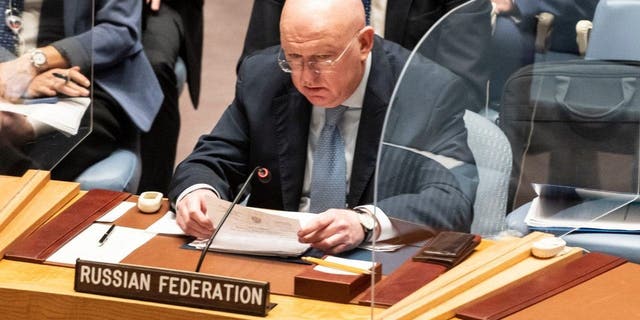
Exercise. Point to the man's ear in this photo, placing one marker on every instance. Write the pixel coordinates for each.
(366, 41)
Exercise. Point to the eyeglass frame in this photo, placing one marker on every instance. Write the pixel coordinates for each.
(285, 65)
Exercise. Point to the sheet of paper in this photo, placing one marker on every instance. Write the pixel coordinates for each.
(65, 115)
(166, 225)
(569, 207)
(259, 232)
(117, 212)
(120, 244)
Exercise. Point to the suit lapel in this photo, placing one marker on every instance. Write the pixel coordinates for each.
(292, 116)
(377, 96)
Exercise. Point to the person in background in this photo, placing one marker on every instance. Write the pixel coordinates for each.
(58, 44)
(311, 111)
(171, 30)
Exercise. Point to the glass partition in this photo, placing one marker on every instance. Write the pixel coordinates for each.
(506, 102)
(426, 177)
(41, 120)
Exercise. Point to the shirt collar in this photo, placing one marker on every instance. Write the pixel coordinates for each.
(357, 97)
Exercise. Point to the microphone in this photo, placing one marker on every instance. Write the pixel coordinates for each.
(264, 176)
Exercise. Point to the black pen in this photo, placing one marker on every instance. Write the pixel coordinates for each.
(105, 236)
(61, 76)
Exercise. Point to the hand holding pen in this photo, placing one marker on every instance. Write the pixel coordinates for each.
(70, 82)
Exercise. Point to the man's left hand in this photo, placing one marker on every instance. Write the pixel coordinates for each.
(333, 231)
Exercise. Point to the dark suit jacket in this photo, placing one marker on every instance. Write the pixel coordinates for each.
(268, 122)
(462, 47)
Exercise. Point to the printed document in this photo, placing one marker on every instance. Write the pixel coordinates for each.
(256, 231)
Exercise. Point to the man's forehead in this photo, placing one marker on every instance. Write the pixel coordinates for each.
(311, 41)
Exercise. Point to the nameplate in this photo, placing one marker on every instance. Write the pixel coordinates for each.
(173, 287)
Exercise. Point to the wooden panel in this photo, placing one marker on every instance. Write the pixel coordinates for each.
(46, 203)
(474, 270)
(15, 194)
(520, 271)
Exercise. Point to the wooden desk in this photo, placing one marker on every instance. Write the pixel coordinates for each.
(34, 291)
(38, 291)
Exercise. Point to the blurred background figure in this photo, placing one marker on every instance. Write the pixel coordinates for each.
(172, 40)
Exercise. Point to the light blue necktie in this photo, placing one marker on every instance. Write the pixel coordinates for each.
(367, 10)
(328, 177)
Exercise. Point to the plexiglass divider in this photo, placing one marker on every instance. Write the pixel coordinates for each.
(426, 177)
(502, 127)
(38, 127)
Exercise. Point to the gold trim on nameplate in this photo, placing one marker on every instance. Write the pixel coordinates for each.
(173, 287)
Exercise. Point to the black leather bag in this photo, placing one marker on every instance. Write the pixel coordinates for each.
(573, 123)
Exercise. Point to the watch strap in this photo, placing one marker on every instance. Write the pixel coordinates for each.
(368, 233)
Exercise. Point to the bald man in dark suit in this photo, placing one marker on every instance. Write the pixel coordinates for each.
(464, 49)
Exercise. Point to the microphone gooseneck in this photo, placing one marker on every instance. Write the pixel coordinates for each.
(264, 177)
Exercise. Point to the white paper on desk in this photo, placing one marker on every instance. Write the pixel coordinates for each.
(65, 115)
(117, 212)
(569, 207)
(166, 225)
(119, 245)
(256, 231)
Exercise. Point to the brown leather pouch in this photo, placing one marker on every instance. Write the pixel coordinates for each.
(448, 248)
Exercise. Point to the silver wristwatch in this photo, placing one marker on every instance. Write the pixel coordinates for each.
(38, 59)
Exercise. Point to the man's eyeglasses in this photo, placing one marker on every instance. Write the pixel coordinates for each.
(317, 66)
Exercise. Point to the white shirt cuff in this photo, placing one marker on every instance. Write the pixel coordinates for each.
(386, 228)
(194, 188)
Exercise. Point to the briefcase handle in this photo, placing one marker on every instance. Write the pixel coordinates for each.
(563, 83)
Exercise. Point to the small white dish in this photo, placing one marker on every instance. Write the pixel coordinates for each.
(150, 201)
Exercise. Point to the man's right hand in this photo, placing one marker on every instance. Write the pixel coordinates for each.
(192, 214)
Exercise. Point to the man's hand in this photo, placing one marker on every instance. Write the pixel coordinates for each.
(192, 214)
(154, 4)
(333, 231)
(69, 82)
(502, 6)
(15, 76)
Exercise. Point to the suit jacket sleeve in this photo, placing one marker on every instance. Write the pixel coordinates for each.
(426, 170)
(222, 158)
(115, 36)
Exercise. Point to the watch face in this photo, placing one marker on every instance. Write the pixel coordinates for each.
(39, 58)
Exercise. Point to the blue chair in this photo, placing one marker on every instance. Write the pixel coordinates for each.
(121, 170)
(492, 153)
